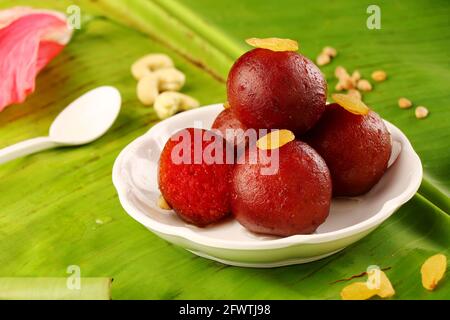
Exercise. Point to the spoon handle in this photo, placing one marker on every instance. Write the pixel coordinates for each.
(25, 148)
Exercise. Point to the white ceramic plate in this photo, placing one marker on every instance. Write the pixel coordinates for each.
(350, 219)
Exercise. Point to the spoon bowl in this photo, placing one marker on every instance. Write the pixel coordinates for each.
(82, 121)
(87, 118)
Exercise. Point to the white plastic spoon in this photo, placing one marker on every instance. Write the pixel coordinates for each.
(84, 120)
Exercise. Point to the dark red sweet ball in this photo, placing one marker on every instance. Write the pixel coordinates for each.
(230, 127)
(356, 149)
(196, 184)
(293, 200)
(276, 90)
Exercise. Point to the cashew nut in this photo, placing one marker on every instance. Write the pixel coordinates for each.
(149, 63)
(155, 73)
(147, 89)
(170, 79)
(170, 102)
(167, 79)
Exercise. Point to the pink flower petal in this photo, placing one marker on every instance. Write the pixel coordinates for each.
(29, 39)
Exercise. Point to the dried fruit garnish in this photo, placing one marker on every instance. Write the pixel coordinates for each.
(346, 82)
(274, 44)
(355, 93)
(323, 59)
(330, 51)
(377, 284)
(386, 290)
(341, 72)
(421, 112)
(275, 139)
(358, 291)
(404, 103)
(364, 85)
(350, 103)
(162, 203)
(355, 77)
(326, 55)
(433, 271)
(379, 75)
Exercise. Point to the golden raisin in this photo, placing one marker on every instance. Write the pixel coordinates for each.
(357, 291)
(162, 203)
(404, 103)
(386, 289)
(379, 75)
(377, 284)
(274, 44)
(275, 139)
(433, 271)
(350, 103)
(355, 93)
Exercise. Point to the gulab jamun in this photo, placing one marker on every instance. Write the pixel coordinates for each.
(276, 90)
(230, 127)
(195, 181)
(355, 147)
(295, 199)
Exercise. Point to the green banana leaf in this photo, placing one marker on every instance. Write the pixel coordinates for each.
(34, 288)
(50, 203)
